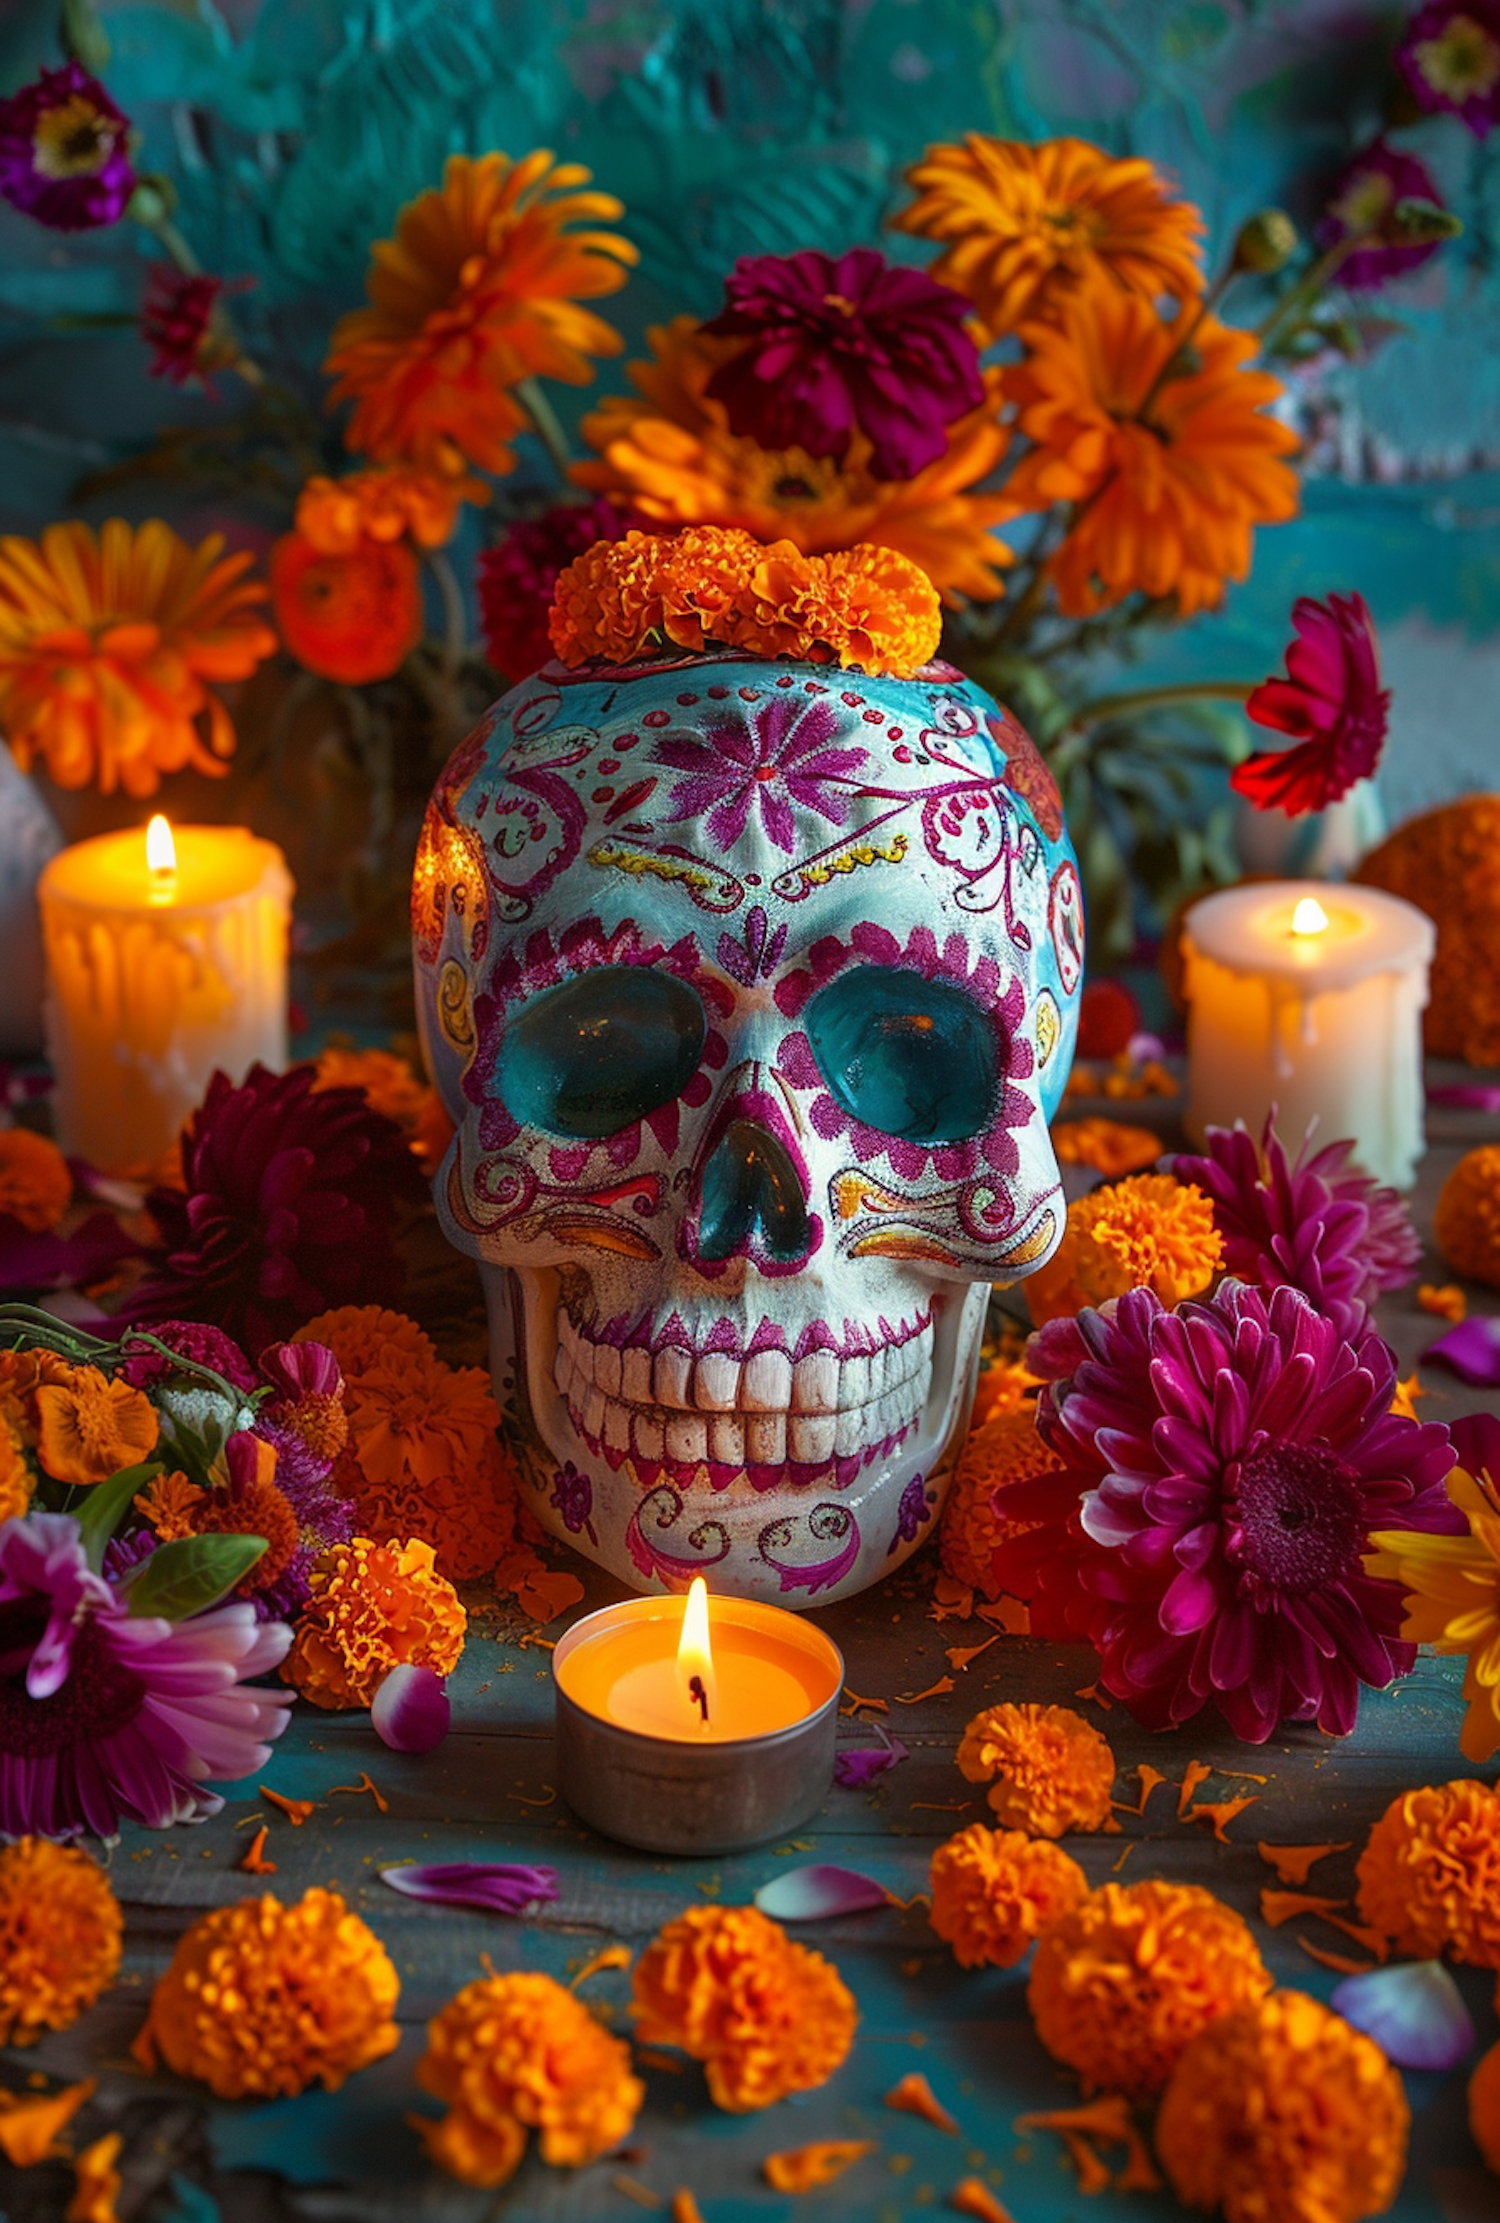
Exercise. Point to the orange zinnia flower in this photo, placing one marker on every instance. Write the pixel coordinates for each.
(1159, 436)
(106, 642)
(670, 455)
(354, 617)
(1022, 225)
(479, 289)
(91, 1427)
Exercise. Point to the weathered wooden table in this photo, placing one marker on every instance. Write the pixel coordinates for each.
(488, 1794)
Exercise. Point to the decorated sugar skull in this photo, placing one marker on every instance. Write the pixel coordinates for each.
(751, 987)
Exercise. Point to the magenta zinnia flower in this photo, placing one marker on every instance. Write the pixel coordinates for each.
(1331, 702)
(1226, 1464)
(107, 1716)
(845, 345)
(1450, 57)
(290, 1193)
(64, 152)
(177, 318)
(518, 578)
(1363, 200)
(1317, 1222)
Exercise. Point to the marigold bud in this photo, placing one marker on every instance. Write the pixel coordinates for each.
(1265, 242)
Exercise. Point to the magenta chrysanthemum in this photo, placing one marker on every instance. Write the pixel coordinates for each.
(65, 152)
(1225, 1465)
(1315, 1223)
(845, 345)
(1362, 201)
(1332, 704)
(287, 1208)
(518, 578)
(107, 1715)
(1450, 57)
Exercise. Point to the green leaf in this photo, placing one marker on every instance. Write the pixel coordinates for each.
(107, 1505)
(192, 1574)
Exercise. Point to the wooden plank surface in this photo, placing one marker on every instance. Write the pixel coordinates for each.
(489, 1794)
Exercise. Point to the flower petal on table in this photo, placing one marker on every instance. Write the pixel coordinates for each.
(1414, 2013)
(410, 1711)
(811, 1894)
(496, 1886)
(1466, 1096)
(858, 1765)
(1472, 1349)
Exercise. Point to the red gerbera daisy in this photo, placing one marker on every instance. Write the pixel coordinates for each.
(1331, 701)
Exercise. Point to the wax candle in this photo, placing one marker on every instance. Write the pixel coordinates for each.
(164, 963)
(1309, 998)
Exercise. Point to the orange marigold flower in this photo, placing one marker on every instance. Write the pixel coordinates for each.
(372, 1607)
(1048, 1769)
(96, 2182)
(17, 1482)
(107, 642)
(60, 1932)
(166, 1505)
(22, 1374)
(1429, 1877)
(468, 1517)
(388, 503)
(1133, 1973)
(363, 1337)
(516, 2053)
(394, 1088)
(670, 455)
(1447, 862)
(1108, 1145)
(765, 2017)
(1169, 472)
(420, 1417)
(262, 1999)
(1484, 2108)
(1006, 1449)
(1466, 1219)
(479, 289)
(1281, 2113)
(260, 1509)
(1021, 225)
(90, 1427)
(36, 1187)
(1005, 1386)
(1148, 1232)
(995, 1890)
(352, 618)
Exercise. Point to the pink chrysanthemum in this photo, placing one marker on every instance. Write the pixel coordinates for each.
(518, 578)
(107, 1715)
(287, 1207)
(1225, 1465)
(1315, 1222)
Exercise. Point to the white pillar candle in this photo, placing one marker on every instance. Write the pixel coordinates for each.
(159, 973)
(1309, 998)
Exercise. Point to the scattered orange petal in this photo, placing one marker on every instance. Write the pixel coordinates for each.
(296, 1810)
(1404, 1399)
(1198, 1771)
(632, 2187)
(29, 2127)
(973, 2197)
(1140, 2173)
(875, 1705)
(609, 1956)
(1293, 1863)
(804, 2168)
(1093, 2177)
(1092, 1690)
(1373, 1941)
(1011, 1616)
(1150, 1781)
(538, 1589)
(915, 2096)
(1242, 1775)
(961, 1655)
(685, 2208)
(649, 2058)
(1277, 1907)
(951, 1599)
(1339, 1961)
(939, 1689)
(520, 1798)
(1107, 2117)
(1444, 1300)
(255, 1862)
(1220, 1813)
(96, 2182)
(356, 1790)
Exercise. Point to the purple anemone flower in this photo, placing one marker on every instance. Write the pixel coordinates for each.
(846, 344)
(1450, 57)
(1225, 1466)
(1314, 1222)
(65, 152)
(1363, 200)
(107, 1716)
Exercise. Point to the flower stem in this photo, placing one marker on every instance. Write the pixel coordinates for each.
(455, 618)
(1306, 291)
(1156, 698)
(172, 243)
(545, 424)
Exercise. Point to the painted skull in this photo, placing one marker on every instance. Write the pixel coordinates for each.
(751, 988)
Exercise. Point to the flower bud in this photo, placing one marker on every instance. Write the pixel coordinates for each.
(1417, 223)
(1265, 242)
(154, 199)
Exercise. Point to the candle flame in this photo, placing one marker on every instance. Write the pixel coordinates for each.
(161, 849)
(695, 1659)
(1309, 916)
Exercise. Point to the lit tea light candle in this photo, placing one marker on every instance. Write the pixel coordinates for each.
(689, 1730)
(1312, 1003)
(166, 960)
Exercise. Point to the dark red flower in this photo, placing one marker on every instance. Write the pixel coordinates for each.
(517, 578)
(177, 322)
(1108, 1016)
(845, 345)
(1450, 57)
(1331, 701)
(64, 152)
(1363, 200)
(287, 1208)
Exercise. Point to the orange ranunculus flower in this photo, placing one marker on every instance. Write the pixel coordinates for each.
(1170, 464)
(107, 641)
(90, 1427)
(669, 454)
(353, 618)
(479, 289)
(386, 504)
(1022, 225)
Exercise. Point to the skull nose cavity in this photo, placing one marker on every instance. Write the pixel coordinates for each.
(751, 1184)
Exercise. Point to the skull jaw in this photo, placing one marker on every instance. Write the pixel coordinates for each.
(805, 1535)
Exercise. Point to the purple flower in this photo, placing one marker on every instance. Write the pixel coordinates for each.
(142, 1366)
(108, 1716)
(1316, 1223)
(1331, 703)
(64, 152)
(844, 346)
(856, 1767)
(1363, 200)
(779, 758)
(496, 1886)
(518, 577)
(1225, 1466)
(1450, 57)
(323, 1517)
(1415, 2014)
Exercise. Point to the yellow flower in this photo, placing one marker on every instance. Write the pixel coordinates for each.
(1146, 1232)
(1048, 1769)
(36, 1187)
(1453, 1601)
(60, 1931)
(388, 503)
(516, 2053)
(995, 1890)
(479, 289)
(670, 455)
(373, 1607)
(107, 642)
(1429, 1876)
(263, 1999)
(1006, 1449)
(1281, 2113)
(1021, 224)
(91, 1427)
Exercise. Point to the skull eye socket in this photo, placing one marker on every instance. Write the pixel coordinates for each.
(910, 1057)
(594, 1053)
